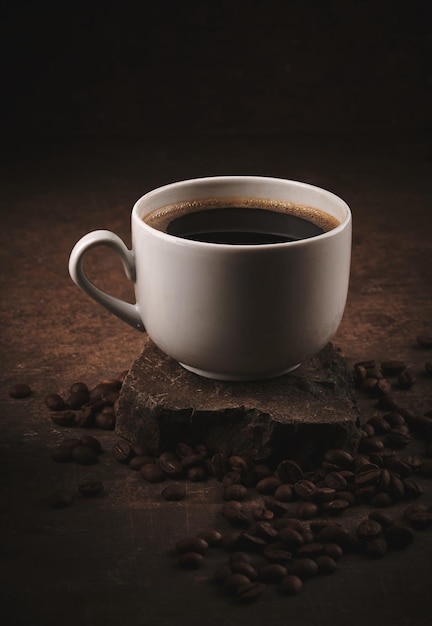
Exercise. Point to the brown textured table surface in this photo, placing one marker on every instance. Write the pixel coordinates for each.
(107, 560)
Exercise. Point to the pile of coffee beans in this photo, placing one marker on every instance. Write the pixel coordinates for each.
(88, 408)
(279, 525)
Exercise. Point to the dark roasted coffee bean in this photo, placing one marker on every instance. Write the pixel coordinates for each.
(152, 473)
(397, 465)
(279, 508)
(310, 550)
(202, 450)
(192, 460)
(377, 547)
(272, 573)
(406, 379)
(360, 374)
(235, 514)
(20, 391)
(418, 516)
(262, 470)
(136, 462)
(333, 533)
(371, 444)
(191, 560)
(90, 489)
(78, 387)
(291, 537)
(395, 419)
(339, 457)
(60, 499)
(85, 417)
(262, 514)
(238, 464)
(266, 531)
(367, 477)
(212, 537)
(303, 568)
(63, 418)
(306, 510)
(276, 553)
(335, 480)
(91, 442)
(324, 494)
(103, 388)
(289, 471)
(291, 585)
(174, 492)
(105, 419)
(251, 542)
(397, 439)
(241, 567)
(219, 465)
(304, 489)
(336, 506)
(369, 385)
(231, 478)
(122, 451)
(191, 544)
(240, 555)
(332, 550)
(412, 488)
(380, 425)
(369, 529)
(83, 455)
(234, 581)
(326, 565)
(183, 450)
(383, 519)
(284, 493)
(235, 492)
(250, 592)
(268, 485)
(77, 399)
(368, 364)
(425, 341)
(196, 474)
(383, 386)
(170, 466)
(55, 402)
(393, 367)
(398, 536)
(230, 540)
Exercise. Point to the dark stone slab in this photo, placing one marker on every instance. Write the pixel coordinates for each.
(296, 415)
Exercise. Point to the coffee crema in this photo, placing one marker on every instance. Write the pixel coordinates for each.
(241, 220)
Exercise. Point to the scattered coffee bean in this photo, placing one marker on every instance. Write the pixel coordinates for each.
(122, 451)
(271, 573)
(234, 513)
(196, 474)
(171, 466)
(303, 568)
(63, 418)
(136, 462)
(242, 567)
(326, 565)
(105, 419)
(291, 585)
(233, 582)
(89, 489)
(77, 399)
(85, 417)
(174, 492)
(268, 485)
(212, 537)
(192, 544)
(20, 391)
(152, 473)
(376, 547)
(55, 402)
(398, 536)
(289, 471)
(250, 592)
(235, 492)
(191, 560)
(406, 379)
(91, 442)
(393, 368)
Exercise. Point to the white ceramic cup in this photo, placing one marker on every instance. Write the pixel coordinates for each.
(231, 312)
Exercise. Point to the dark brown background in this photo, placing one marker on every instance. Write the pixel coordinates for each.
(103, 101)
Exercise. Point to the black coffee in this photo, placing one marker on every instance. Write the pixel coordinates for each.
(241, 221)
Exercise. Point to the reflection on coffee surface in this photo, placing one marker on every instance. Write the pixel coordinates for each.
(241, 220)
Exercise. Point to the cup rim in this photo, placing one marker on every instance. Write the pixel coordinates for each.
(137, 216)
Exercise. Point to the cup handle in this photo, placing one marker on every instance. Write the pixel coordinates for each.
(124, 310)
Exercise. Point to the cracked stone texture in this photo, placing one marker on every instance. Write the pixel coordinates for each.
(297, 415)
